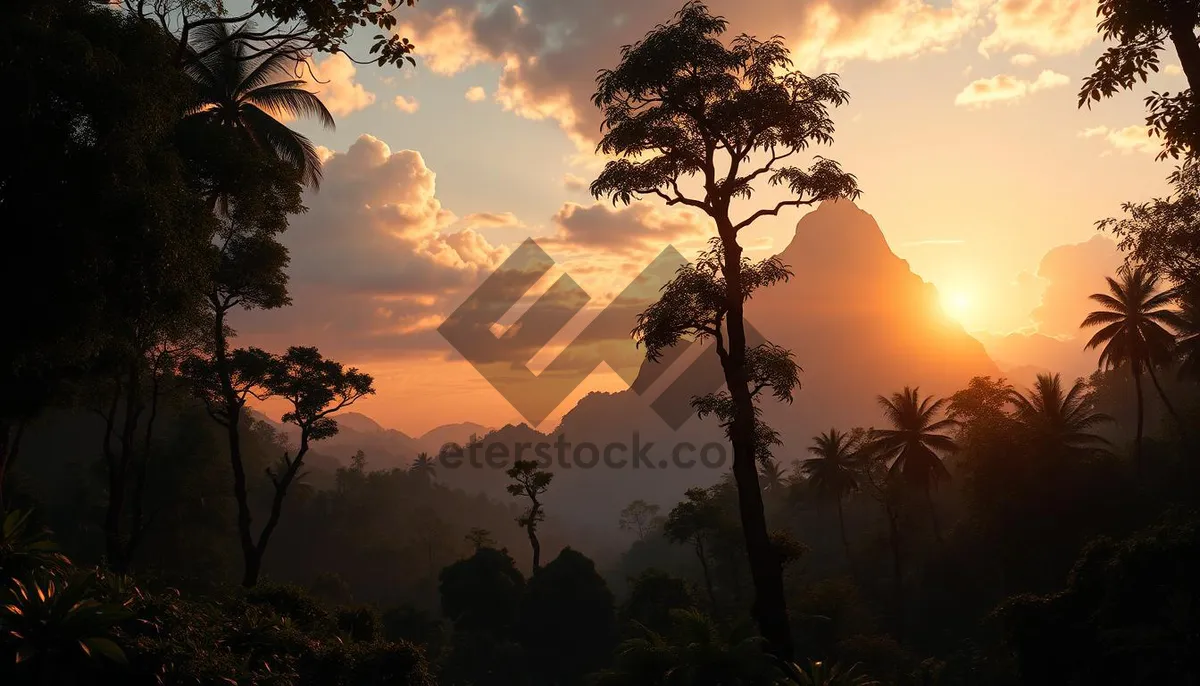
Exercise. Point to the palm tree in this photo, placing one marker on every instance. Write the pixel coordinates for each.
(249, 92)
(1132, 332)
(912, 445)
(1058, 420)
(771, 476)
(834, 471)
(424, 468)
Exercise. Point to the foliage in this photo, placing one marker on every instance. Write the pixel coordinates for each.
(250, 94)
(911, 447)
(567, 626)
(25, 548)
(1140, 31)
(1123, 599)
(482, 593)
(55, 627)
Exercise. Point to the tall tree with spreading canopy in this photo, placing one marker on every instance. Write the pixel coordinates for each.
(910, 448)
(316, 388)
(1141, 30)
(684, 107)
(1133, 332)
(530, 482)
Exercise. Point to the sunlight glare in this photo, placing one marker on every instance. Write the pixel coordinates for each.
(956, 304)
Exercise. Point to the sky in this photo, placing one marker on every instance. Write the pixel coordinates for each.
(962, 129)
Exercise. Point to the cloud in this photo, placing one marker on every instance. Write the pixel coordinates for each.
(1131, 139)
(548, 50)
(1173, 70)
(1071, 273)
(334, 77)
(406, 105)
(475, 94)
(1001, 88)
(574, 183)
(601, 229)
(373, 267)
(1045, 27)
(1023, 59)
(491, 219)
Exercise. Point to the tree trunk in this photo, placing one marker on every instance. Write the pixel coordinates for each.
(281, 488)
(1141, 411)
(233, 418)
(536, 546)
(1167, 402)
(708, 584)
(842, 527)
(1183, 36)
(770, 607)
(137, 522)
(933, 518)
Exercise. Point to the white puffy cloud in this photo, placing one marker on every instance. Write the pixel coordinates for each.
(406, 105)
(1131, 139)
(1046, 27)
(475, 94)
(335, 83)
(373, 267)
(1001, 88)
(1023, 59)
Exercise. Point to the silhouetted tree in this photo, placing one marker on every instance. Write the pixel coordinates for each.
(833, 473)
(482, 593)
(1132, 333)
(771, 475)
(696, 520)
(1058, 421)
(653, 594)
(568, 626)
(530, 482)
(682, 104)
(639, 516)
(424, 467)
(98, 204)
(1163, 235)
(480, 538)
(315, 388)
(911, 447)
(1140, 30)
(293, 27)
(249, 94)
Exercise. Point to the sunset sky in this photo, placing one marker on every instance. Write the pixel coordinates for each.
(962, 129)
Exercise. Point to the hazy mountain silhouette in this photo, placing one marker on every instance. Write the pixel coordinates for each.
(860, 323)
(460, 433)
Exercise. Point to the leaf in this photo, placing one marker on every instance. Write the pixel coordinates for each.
(105, 647)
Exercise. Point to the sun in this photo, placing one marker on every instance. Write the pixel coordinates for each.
(957, 304)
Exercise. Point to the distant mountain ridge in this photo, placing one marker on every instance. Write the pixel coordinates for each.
(384, 448)
(859, 321)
